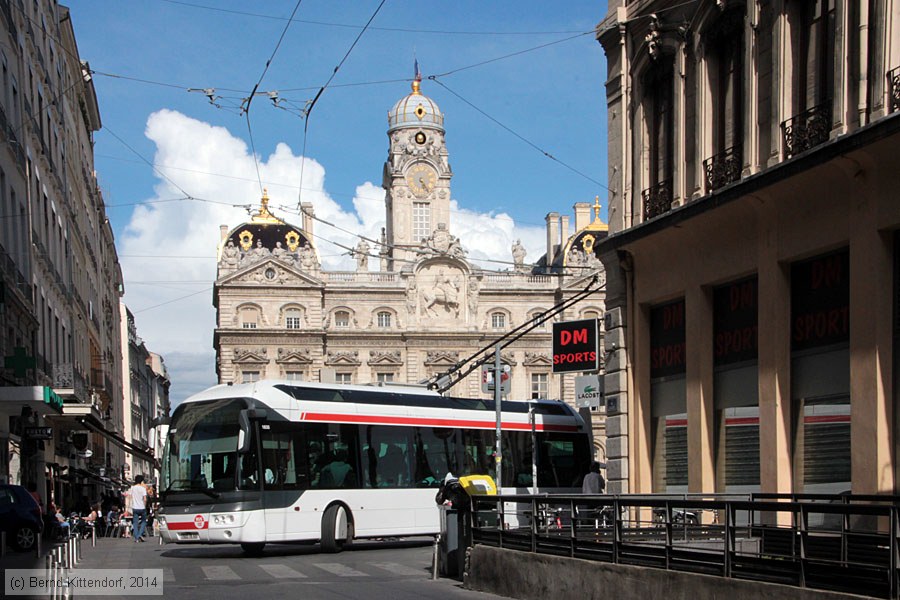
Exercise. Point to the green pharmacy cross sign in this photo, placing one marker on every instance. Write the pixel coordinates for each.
(19, 362)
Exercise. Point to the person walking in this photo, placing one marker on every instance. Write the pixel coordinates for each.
(593, 482)
(138, 495)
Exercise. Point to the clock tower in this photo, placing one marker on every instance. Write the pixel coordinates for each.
(416, 175)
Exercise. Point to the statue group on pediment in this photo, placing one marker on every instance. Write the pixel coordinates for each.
(577, 257)
(442, 241)
(234, 257)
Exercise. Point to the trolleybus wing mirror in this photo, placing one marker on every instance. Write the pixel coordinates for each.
(244, 418)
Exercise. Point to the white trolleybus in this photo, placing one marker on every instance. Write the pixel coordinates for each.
(285, 461)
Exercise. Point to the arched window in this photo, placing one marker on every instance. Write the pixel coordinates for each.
(498, 320)
(249, 317)
(384, 319)
(293, 318)
(341, 318)
(590, 314)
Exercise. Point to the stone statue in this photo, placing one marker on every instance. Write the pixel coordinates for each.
(258, 253)
(518, 253)
(444, 293)
(362, 255)
(280, 252)
(230, 257)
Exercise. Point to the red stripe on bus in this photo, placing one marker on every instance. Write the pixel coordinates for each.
(428, 422)
(186, 526)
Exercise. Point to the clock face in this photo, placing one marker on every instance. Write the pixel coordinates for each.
(421, 179)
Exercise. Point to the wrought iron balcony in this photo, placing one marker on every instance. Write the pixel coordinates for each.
(657, 199)
(894, 82)
(806, 130)
(723, 168)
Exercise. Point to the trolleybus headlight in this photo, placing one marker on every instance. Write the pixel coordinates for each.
(223, 519)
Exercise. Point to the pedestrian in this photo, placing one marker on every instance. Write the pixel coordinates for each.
(138, 494)
(593, 482)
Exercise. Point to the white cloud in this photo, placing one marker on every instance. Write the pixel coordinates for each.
(167, 249)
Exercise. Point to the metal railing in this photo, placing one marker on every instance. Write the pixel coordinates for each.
(839, 543)
(894, 86)
(806, 130)
(657, 199)
(723, 168)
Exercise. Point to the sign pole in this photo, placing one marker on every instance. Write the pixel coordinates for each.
(498, 454)
(534, 450)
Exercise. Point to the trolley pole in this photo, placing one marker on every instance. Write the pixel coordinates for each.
(498, 395)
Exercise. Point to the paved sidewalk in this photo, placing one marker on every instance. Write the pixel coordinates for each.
(120, 553)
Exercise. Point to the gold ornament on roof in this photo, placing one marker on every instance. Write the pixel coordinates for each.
(587, 242)
(597, 224)
(246, 240)
(420, 111)
(264, 216)
(293, 240)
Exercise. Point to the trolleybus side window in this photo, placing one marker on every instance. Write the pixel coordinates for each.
(435, 455)
(333, 452)
(386, 456)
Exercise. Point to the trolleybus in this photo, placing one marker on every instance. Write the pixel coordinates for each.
(287, 461)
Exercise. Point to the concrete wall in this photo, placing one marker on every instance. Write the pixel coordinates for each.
(523, 575)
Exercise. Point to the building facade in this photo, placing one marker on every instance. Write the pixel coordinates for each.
(753, 252)
(415, 306)
(60, 345)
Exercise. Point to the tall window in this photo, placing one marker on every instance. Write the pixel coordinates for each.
(498, 320)
(421, 221)
(725, 39)
(384, 319)
(292, 318)
(540, 386)
(817, 63)
(343, 377)
(659, 84)
(249, 376)
(342, 318)
(385, 377)
(293, 375)
(249, 318)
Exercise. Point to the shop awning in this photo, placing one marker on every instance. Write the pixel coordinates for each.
(121, 442)
(88, 416)
(42, 399)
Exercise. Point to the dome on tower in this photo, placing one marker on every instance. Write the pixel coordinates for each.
(415, 110)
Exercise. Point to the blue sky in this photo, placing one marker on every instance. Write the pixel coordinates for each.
(515, 80)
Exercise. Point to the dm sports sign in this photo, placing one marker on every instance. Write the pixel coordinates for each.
(575, 346)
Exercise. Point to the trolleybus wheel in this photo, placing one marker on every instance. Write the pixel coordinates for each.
(253, 549)
(336, 529)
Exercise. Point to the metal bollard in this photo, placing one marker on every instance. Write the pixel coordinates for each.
(93, 536)
(435, 557)
(37, 545)
(67, 591)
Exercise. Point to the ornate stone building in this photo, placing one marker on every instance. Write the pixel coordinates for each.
(425, 308)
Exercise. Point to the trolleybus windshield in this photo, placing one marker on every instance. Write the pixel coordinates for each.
(202, 450)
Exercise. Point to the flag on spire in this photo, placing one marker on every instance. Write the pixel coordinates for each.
(418, 75)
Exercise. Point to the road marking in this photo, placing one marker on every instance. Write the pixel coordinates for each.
(398, 569)
(168, 575)
(340, 570)
(219, 573)
(281, 571)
